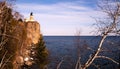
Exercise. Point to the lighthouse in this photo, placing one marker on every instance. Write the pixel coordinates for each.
(31, 18)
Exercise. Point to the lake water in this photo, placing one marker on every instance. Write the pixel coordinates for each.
(67, 48)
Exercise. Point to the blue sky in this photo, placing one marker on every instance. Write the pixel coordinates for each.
(61, 17)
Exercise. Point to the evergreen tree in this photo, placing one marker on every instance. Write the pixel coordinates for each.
(41, 53)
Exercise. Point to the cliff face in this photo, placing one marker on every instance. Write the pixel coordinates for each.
(32, 36)
(33, 31)
(17, 39)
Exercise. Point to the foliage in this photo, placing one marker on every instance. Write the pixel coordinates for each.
(9, 35)
(41, 53)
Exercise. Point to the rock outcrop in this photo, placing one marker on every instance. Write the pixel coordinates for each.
(32, 29)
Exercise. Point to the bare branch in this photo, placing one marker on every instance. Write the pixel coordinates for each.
(2, 61)
(78, 64)
(2, 43)
(5, 62)
(58, 66)
(9, 36)
(104, 57)
(92, 58)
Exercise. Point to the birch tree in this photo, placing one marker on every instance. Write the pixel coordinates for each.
(109, 24)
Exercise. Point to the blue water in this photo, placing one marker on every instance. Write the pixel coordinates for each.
(68, 48)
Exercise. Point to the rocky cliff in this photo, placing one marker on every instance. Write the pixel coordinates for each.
(32, 29)
(21, 43)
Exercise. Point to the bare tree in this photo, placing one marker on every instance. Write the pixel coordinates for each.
(2, 32)
(106, 26)
(78, 47)
(8, 25)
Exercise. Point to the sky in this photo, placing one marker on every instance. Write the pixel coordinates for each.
(61, 17)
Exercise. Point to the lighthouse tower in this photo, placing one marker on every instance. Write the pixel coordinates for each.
(31, 18)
